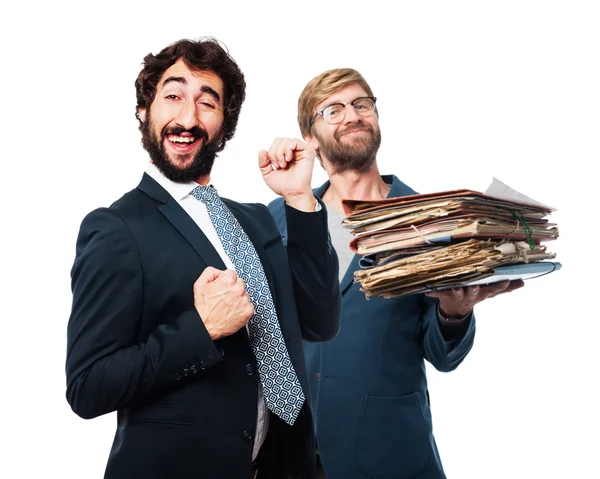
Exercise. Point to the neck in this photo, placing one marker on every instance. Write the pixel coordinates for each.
(351, 185)
(203, 180)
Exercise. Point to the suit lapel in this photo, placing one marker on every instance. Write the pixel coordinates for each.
(397, 189)
(348, 278)
(181, 221)
(192, 233)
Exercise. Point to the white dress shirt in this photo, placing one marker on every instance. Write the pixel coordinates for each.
(197, 211)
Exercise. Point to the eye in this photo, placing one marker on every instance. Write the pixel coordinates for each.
(334, 110)
(207, 105)
(172, 97)
(364, 105)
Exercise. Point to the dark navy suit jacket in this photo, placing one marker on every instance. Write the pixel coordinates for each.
(368, 384)
(187, 405)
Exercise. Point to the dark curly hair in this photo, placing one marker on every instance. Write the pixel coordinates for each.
(206, 54)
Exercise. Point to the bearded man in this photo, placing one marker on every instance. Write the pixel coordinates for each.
(188, 312)
(368, 384)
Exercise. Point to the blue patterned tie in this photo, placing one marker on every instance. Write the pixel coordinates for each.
(281, 387)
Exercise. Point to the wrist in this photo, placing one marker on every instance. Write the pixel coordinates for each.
(456, 316)
(303, 201)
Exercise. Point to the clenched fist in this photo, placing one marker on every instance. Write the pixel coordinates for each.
(222, 302)
(287, 169)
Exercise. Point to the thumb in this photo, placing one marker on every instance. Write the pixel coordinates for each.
(263, 160)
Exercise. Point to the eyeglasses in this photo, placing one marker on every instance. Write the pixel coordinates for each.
(332, 114)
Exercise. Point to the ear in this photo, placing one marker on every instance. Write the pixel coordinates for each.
(312, 142)
(218, 139)
(141, 114)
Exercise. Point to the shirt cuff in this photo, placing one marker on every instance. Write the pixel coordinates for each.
(444, 319)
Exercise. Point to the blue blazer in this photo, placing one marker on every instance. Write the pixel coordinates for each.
(368, 386)
(186, 405)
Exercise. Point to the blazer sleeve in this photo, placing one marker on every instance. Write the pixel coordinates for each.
(314, 266)
(444, 355)
(108, 365)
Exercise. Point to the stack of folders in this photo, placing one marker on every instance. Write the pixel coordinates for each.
(429, 242)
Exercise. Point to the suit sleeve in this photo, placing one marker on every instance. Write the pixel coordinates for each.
(314, 266)
(445, 355)
(108, 365)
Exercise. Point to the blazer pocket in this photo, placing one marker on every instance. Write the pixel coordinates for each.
(274, 241)
(393, 437)
(159, 413)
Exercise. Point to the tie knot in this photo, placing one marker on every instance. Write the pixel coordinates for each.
(206, 194)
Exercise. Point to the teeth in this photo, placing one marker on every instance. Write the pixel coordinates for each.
(182, 139)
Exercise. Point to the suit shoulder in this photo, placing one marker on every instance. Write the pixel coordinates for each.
(123, 210)
(277, 209)
(254, 210)
(130, 202)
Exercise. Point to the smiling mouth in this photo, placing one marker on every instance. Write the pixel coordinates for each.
(181, 140)
(358, 130)
(351, 132)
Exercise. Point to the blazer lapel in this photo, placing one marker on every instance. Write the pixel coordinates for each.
(397, 189)
(192, 233)
(348, 278)
(182, 222)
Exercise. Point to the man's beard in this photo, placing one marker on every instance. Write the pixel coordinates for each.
(358, 156)
(200, 166)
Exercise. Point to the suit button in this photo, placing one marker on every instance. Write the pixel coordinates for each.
(178, 377)
(202, 366)
(249, 370)
(247, 435)
(222, 352)
(186, 372)
(193, 369)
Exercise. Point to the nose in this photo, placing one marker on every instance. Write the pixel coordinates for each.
(187, 116)
(351, 116)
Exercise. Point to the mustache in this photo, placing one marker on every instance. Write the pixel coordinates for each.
(340, 133)
(196, 132)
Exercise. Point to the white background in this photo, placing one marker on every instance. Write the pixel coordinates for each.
(466, 91)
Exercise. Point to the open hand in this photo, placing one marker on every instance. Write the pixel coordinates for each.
(458, 302)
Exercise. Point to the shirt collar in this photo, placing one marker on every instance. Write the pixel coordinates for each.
(177, 190)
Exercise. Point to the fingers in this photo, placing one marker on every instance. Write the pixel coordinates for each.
(519, 283)
(463, 294)
(281, 152)
(248, 310)
(209, 275)
(459, 301)
(216, 277)
(468, 295)
(239, 295)
(471, 293)
(228, 278)
(491, 290)
(263, 161)
(506, 287)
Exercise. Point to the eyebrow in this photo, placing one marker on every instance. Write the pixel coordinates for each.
(203, 88)
(340, 102)
(330, 104)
